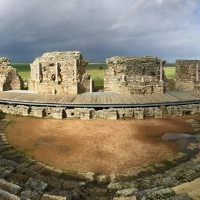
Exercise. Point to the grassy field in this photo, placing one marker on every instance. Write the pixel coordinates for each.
(96, 66)
(170, 72)
(23, 69)
(92, 69)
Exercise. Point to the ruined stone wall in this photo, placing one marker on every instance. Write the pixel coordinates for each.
(187, 73)
(110, 113)
(59, 73)
(9, 78)
(135, 75)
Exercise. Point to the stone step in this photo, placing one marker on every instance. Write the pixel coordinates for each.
(52, 197)
(7, 196)
(9, 187)
(125, 198)
(191, 188)
(195, 194)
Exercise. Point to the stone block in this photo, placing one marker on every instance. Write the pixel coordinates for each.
(57, 113)
(38, 111)
(138, 113)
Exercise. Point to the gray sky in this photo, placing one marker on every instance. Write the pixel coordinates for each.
(100, 29)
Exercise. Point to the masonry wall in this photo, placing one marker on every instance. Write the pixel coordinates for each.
(59, 73)
(135, 75)
(110, 113)
(9, 77)
(187, 73)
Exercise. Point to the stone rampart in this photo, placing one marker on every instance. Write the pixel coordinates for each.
(59, 73)
(135, 75)
(9, 78)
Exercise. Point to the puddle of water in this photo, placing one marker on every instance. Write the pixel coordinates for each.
(179, 136)
(182, 139)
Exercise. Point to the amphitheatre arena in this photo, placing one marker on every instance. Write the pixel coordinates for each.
(136, 139)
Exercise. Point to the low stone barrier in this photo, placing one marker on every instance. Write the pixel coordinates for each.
(110, 113)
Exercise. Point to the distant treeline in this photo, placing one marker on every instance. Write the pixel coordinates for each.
(169, 65)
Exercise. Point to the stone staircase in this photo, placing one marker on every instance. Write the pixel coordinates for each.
(8, 190)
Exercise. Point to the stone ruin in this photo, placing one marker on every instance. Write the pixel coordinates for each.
(135, 75)
(187, 75)
(9, 78)
(59, 73)
(110, 113)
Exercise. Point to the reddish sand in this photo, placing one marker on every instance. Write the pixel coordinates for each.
(101, 146)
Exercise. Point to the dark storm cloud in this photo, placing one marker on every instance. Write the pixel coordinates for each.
(100, 28)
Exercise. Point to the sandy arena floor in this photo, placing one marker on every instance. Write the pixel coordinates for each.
(101, 146)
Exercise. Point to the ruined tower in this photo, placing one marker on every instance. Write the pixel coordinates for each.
(59, 73)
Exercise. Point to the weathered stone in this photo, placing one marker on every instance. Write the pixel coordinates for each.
(121, 185)
(138, 113)
(59, 73)
(90, 176)
(103, 178)
(38, 111)
(8, 196)
(9, 78)
(45, 170)
(135, 75)
(125, 198)
(126, 192)
(125, 113)
(57, 113)
(9, 187)
(186, 75)
(52, 197)
(36, 166)
(85, 114)
(36, 185)
(56, 172)
(28, 194)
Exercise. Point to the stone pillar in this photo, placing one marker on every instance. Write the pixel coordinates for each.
(123, 78)
(142, 79)
(91, 89)
(75, 69)
(38, 78)
(197, 72)
(161, 71)
(56, 69)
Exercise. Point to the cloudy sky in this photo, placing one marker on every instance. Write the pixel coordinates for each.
(100, 29)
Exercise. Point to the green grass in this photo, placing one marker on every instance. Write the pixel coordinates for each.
(24, 75)
(23, 69)
(97, 76)
(96, 65)
(170, 72)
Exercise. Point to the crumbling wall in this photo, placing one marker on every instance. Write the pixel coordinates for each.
(135, 75)
(9, 78)
(187, 75)
(110, 113)
(59, 73)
